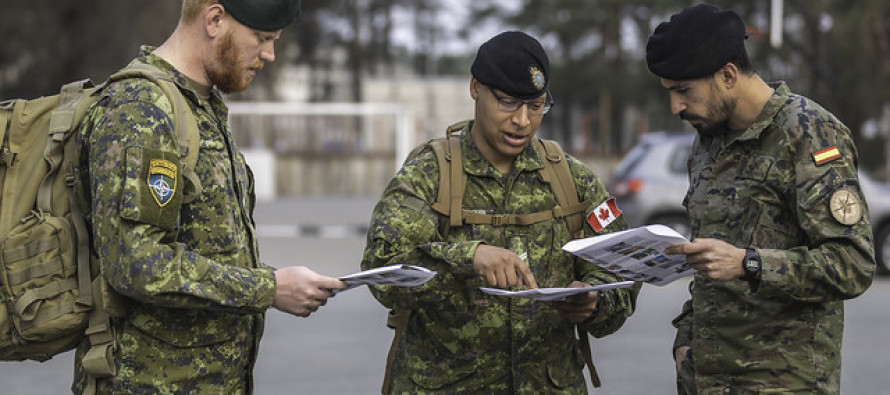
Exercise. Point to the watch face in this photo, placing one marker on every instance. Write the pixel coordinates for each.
(752, 265)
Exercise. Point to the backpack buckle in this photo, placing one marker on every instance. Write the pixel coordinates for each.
(7, 157)
(498, 219)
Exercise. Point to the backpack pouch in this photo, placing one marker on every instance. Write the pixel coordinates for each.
(39, 285)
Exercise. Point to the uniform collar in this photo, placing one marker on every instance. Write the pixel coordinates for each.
(763, 121)
(767, 114)
(147, 56)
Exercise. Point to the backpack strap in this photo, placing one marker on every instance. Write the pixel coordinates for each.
(187, 133)
(556, 172)
(398, 321)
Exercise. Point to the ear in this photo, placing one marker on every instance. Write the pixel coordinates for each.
(474, 88)
(728, 76)
(214, 20)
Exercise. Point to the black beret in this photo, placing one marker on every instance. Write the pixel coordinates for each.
(695, 43)
(514, 63)
(266, 15)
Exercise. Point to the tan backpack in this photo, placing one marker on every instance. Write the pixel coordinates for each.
(52, 295)
(449, 200)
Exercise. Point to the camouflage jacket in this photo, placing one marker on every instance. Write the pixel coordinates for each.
(460, 340)
(190, 272)
(763, 188)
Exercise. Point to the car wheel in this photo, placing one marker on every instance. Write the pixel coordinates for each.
(677, 222)
(882, 249)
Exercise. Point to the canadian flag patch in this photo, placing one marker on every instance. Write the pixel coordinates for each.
(603, 215)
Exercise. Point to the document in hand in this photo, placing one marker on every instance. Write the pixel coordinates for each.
(636, 253)
(397, 275)
(550, 294)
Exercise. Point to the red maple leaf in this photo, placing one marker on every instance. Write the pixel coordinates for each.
(604, 213)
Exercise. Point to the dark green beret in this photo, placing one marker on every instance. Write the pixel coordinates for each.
(266, 15)
(514, 63)
(695, 43)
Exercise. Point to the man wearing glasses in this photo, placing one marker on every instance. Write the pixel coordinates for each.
(509, 235)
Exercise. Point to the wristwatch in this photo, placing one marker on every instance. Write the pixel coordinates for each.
(751, 264)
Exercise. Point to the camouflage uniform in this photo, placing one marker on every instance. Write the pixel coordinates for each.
(190, 272)
(460, 340)
(762, 188)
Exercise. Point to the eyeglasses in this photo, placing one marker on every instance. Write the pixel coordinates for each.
(511, 104)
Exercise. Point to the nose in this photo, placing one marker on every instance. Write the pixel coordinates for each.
(267, 52)
(520, 116)
(677, 104)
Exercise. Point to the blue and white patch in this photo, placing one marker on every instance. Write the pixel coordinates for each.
(162, 180)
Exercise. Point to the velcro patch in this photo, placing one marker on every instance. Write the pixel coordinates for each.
(162, 180)
(827, 155)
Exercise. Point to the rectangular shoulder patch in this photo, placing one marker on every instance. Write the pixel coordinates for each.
(827, 155)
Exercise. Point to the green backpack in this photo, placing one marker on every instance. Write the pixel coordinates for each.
(52, 296)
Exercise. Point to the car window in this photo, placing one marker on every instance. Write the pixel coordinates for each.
(679, 159)
(630, 161)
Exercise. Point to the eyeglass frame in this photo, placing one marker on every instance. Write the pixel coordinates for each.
(545, 107)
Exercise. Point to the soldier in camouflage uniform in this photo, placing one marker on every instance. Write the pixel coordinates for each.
(185, 258)
(781, 233)
(458, 339)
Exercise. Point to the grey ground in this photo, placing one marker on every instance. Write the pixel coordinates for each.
(342, 348)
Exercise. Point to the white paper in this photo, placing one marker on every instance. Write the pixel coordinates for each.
(636, 254)
(397, 275)
(551, 294)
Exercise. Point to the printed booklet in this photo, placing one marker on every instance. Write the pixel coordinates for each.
(636, 254)
(397, 275)
(550, 294)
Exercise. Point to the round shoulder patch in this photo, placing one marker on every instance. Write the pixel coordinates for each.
(845, 206)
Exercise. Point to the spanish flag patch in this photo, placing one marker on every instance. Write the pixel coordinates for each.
(827, 155)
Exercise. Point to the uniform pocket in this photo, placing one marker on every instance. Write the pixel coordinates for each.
(184, 328)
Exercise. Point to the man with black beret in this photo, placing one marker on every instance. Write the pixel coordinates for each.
(505, 230)
(176, 242)
(781, 233)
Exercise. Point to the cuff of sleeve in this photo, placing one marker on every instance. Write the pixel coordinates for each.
(770, 260)
(680, 340)
(266, 290)
(462, 256)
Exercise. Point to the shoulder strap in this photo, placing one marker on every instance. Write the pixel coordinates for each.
(452, 178)
(556, 172)
(184, 123)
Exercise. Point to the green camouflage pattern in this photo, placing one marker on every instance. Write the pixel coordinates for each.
(761, 188)
(458, 339)
(190, 272)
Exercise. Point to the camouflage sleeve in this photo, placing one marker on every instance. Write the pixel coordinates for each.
(140, 256)
(405, 230)
(617, 304)
(683, 323)
(839, 261)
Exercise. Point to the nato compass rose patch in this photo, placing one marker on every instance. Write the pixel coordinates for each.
(162, 180)
(537, 77)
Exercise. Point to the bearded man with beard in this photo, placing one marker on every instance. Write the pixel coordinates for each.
(781, 233)
(185, 261)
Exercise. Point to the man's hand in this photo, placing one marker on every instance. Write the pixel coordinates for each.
(577, 308)
(300, 291)
(502, 268)
(714, 259)
(680, 355)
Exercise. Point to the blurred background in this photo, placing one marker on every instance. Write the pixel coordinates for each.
(357, 83)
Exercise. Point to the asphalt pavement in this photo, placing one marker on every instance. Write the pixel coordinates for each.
(342, 348)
